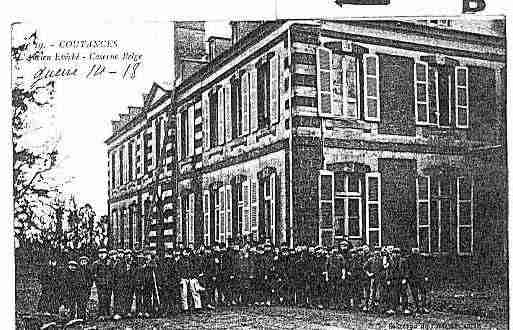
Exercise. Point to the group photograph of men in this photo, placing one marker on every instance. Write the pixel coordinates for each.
(192, 279)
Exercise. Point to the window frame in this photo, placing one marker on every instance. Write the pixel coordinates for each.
(347, 195)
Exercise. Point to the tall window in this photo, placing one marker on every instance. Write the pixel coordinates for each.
(236, 109)
(434, 90)
(213, 115)
(263, 95)
(113, 169)
(348, 205)
(130, 161)
(345, 86)
(121, 166)
(184, 133)
(269, 207)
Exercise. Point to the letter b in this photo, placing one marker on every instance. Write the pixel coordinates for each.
(473, 6)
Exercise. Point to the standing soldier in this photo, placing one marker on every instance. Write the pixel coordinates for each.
(357, 277)
(120, 277)
(71, 284)
(283, 287)
(49, 278)
(418, 280)
(392, 278)
(86, 282)
(374, 271)
(266, 267)
(102, 274)
(209, 270)
(141, 279)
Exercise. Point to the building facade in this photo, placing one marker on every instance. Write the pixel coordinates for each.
(309, 132)
(387, 133)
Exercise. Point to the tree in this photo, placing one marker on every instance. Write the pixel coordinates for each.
(33, 158)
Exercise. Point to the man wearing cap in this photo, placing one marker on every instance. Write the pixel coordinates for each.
(121, 276)
(373, 269)
(418, 280)
(71, 286)
(86, 282)
(50, 278)
(336, 275)
(102, 274)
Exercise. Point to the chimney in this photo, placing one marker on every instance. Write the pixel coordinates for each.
(216, 46)
(116, 125)
(240, 29)
(190, 49)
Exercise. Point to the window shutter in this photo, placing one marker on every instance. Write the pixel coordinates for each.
(178, 220)
(245, 208)
(326, 207)
(421, 92)
(228, 193)
(424, 213)
(272, 184)
(220, 116)
(222, 223)
(254, 208)
(206, 217)
(178, 135)
(324, 81)
(433, 94)
(275, 89)
(461, 80)
(373, 209)
(245, 102)
(190, 131)
(228, 111)
(191, 218)
(206, 122)
(254, 100)
(371, 87)
(465, 235)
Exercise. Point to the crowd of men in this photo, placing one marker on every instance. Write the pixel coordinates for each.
(139, 284)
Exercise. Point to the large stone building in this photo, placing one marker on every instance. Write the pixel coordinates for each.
(305, 132)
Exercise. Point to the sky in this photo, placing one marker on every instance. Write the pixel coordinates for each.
(84, 108)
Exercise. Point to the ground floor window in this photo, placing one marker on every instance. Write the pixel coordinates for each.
(438, 205)
(267, 225)
(341, 202)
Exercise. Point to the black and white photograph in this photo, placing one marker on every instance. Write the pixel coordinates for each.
(287, 173)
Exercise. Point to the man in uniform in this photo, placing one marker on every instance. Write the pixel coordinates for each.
(418, 280)
(121, 276)
(336, 275)
(102, 274)
(86, 282)
(50, 277)
(373, 269)
(71, 284)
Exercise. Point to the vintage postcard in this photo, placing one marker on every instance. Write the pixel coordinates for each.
(300, 172)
